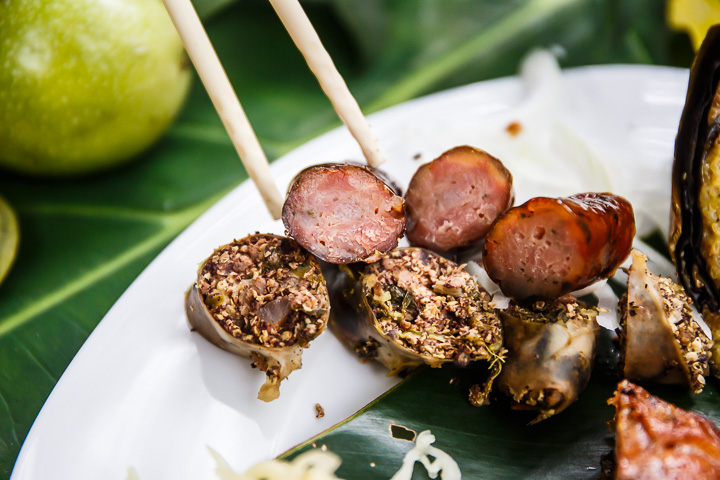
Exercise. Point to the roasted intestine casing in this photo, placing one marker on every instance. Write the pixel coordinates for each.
(695, 226)
(414, 307)
(655, 440)
(262, 297)
(551, 350)
(660, 341)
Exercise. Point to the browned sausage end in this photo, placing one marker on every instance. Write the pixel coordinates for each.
(549, 247)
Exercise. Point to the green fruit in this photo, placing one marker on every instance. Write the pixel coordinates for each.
(8, 237)
(85, 84)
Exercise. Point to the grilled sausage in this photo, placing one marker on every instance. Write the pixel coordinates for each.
(343, 213)
(658, 441)
(548, 247)
(452, 201)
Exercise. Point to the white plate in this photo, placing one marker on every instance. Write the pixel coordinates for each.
(144, 392)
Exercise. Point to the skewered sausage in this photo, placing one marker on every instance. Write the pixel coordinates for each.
(343, 213)
(548, 247)
(452, 201)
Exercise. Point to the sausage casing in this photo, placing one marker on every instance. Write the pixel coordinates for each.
(549, 247)
(551, 350)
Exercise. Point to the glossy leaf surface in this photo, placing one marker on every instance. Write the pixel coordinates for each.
(491, 442)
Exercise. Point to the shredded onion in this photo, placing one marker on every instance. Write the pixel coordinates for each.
(311, 465)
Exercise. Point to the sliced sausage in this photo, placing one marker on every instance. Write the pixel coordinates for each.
(343, 213)
(262, 297)
(548, 247)
(452, 201)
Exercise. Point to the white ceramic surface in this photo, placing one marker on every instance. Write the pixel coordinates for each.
(144, 392)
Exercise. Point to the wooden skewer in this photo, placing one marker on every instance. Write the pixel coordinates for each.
(306, 39)
(226, 103)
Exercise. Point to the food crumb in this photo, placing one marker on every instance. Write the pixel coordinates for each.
(454, 381)
(478, 396)
(319, 411)
(514, 129)
(417, 156)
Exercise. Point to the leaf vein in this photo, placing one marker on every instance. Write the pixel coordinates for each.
(78, 284)
(13, 430)
(36, 360)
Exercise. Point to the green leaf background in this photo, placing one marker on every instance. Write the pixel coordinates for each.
(84, 240)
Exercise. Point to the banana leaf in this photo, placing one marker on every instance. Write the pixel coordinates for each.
(491, 442)
(84, 240)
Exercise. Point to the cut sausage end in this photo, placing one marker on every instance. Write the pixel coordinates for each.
(453, 200)
(343, 213)
(549, 247)
(265, 290)
(432, 307)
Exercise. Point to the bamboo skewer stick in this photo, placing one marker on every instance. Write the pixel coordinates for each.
(226, 103)
(306, 39)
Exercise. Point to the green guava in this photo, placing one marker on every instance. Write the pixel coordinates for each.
(9, 238)
(85, 84)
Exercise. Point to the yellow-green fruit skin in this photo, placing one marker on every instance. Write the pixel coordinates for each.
(85, 84)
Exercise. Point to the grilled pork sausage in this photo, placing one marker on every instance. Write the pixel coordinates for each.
(343, 213)
(549, 247)
(658, 441)
(452, 201)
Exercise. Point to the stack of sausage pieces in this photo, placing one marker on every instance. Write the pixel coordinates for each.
(266, 296)
(414, 306)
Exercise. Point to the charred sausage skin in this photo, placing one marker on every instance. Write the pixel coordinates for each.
(452, 201)
(658, 441)
(549, 247)
(343, 213)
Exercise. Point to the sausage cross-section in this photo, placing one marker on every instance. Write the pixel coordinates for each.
(261, 297)
(343, 213)
(452, 201)
(414, 307)
(549, 247)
